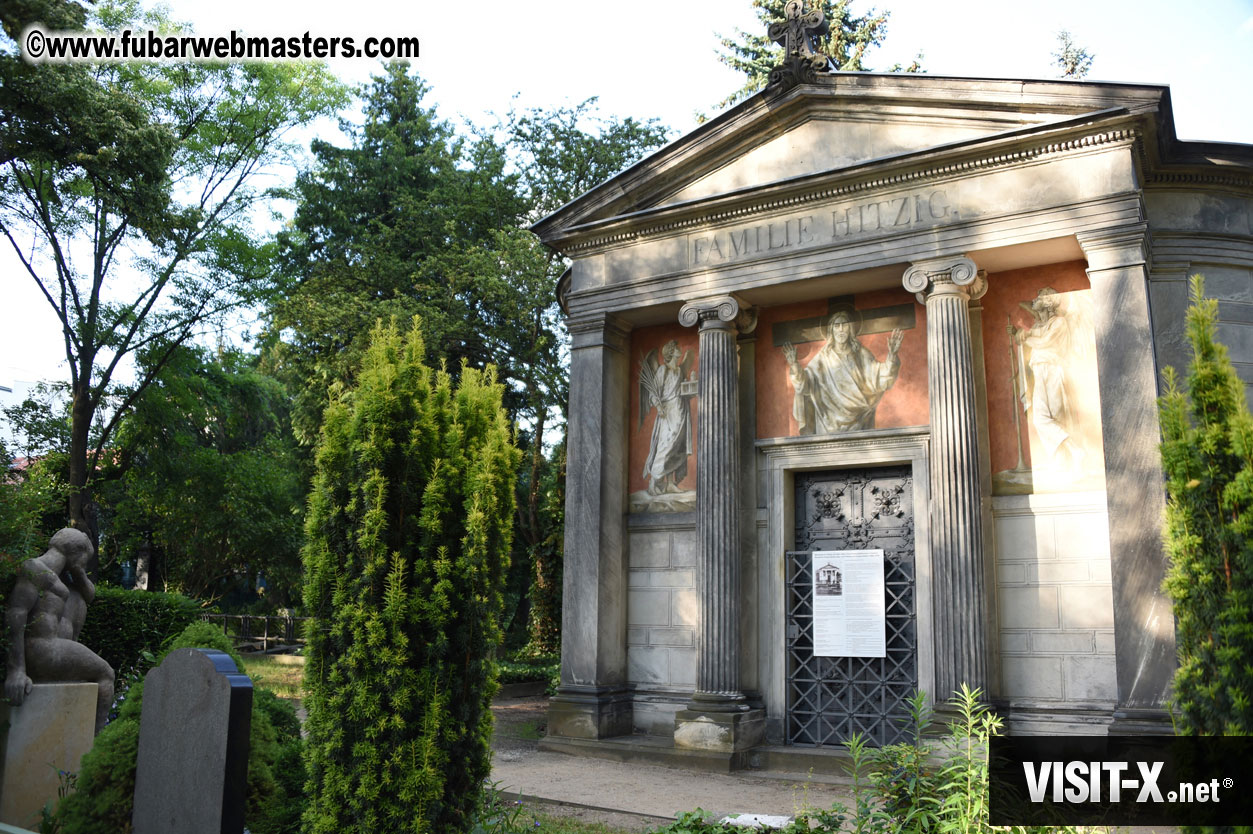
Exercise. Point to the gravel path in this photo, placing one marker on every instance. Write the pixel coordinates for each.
(646, 794)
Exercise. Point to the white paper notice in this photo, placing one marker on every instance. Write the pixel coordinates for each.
(849, 618)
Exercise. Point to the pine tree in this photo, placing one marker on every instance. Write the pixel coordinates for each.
(1207, 456)
(407, 545)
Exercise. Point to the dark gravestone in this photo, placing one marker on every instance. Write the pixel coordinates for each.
(193, 746)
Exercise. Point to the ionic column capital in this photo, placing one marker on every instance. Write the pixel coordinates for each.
(722, 312)
(945, 276)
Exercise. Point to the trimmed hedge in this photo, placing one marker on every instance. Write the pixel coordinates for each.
(121, 625)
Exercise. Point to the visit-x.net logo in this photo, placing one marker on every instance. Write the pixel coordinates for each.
(1120, 780)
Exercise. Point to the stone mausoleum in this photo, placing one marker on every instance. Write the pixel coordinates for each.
(915, 317)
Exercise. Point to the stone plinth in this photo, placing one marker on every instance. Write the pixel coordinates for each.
(191, 777)
(719, 732)
(48, 733)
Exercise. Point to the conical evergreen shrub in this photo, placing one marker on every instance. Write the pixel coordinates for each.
(407, 544)
(1207, 455)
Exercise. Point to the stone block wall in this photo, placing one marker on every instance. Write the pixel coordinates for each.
(1054, 600)
(661, 617)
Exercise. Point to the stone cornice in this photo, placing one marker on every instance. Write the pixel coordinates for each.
(930, 165)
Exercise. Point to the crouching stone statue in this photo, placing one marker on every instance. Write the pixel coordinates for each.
(45, 614)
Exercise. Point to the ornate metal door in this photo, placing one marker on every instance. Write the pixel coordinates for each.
(830, 698)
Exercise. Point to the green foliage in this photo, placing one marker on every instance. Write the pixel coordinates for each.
(104, 800)
(105, 797)
(558, 154)
(149, 168)
(407, 543)
(526, 667)
(209, 488)
(32, 508)
(379, 231)
(1073, 60)
(1207, 457)
(846, 44)
(121, 625)
(31, 503)
(928, 785)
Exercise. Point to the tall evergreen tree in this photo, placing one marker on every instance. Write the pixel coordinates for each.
(1207, 455)
(407, 543)
(380, 230)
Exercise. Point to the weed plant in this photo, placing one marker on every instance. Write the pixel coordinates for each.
(930, 784)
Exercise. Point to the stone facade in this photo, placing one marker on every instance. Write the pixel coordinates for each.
(979, 280)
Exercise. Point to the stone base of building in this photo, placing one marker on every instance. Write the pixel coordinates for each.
(1141, 722)
(719, 732)
(589, 712)
(47, 734)
(1042, 718)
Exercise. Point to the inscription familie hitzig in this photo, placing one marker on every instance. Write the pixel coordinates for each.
(930, 208)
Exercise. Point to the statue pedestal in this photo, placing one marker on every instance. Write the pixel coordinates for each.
(48, 733)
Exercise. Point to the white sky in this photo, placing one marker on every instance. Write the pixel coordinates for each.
(657, 58)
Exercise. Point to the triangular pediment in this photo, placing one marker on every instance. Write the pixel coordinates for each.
(828, 143)
(844, 121)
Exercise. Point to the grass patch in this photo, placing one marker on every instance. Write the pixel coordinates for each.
(549, 824)
(267, 673)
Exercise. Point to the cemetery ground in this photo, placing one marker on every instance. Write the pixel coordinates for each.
(554, 793)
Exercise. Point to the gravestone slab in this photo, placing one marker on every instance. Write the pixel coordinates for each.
(48, 733)
(757, 821)
(193, 746)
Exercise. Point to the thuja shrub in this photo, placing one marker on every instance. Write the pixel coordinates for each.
(407, 543)
(1207, 456)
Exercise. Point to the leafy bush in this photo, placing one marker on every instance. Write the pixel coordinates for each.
(1207, 456)
(104, 801)
(407, 545)
(522, 669)
(121, 625)
(928, 785)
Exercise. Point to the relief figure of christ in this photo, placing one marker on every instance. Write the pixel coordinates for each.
(840, 388)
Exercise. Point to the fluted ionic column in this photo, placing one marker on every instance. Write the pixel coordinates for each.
(717, 502)
(945, 286)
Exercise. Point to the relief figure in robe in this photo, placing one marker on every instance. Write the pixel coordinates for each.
(840, 388)
(662, 388)
(1056, 340)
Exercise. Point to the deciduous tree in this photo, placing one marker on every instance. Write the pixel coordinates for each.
(207, 485)
(128, 196)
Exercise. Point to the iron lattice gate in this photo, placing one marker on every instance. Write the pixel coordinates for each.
(830, 698)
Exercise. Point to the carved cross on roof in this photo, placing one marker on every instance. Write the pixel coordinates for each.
(798, 35)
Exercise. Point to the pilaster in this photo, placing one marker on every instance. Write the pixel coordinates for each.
(592, 701)
(946, 286)
(1135, 492)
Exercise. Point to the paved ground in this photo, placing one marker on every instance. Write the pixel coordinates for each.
(632, 796)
